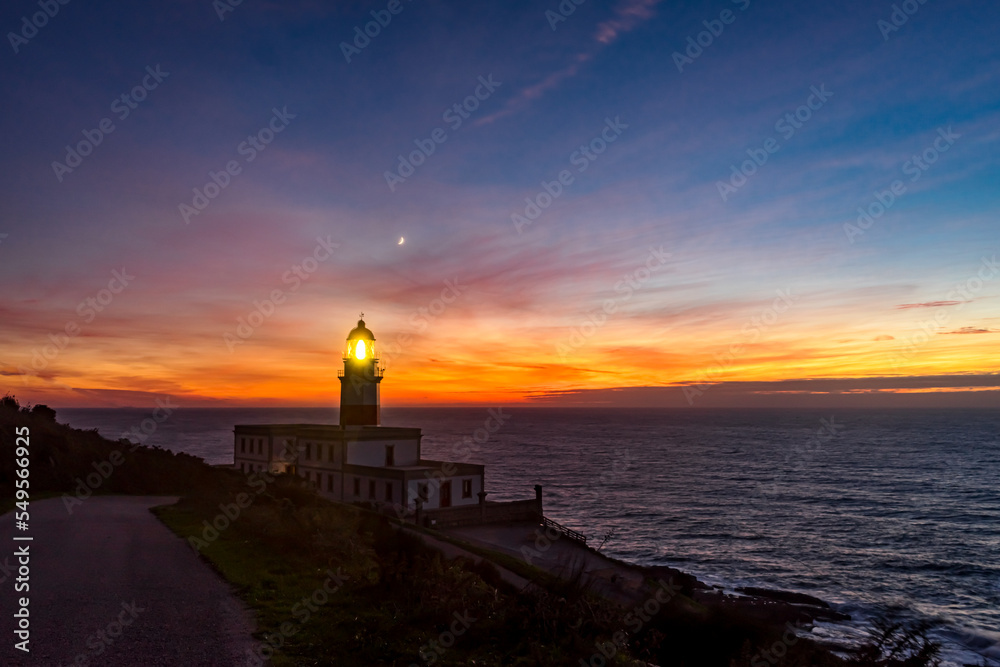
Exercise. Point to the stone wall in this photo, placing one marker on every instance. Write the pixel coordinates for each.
(489, 512)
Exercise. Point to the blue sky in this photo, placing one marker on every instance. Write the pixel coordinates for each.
(656, 185)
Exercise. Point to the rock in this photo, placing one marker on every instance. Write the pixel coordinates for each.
(784, 596)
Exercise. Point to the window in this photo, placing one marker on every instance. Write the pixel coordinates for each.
(466, 488)
(243, 445)
(371, 489)
(260, 446)
(357, 486)
(390, 456)
(308, 451)
(319, 452)
(388, 491)
(422, 492)
(331, 452)
(329, 482)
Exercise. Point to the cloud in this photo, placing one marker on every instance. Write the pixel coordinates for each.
(970, 330)
(928, 304)
(885, 338)
(628, 15)
(969, 390)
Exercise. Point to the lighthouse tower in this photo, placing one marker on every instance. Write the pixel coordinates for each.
(359, 381)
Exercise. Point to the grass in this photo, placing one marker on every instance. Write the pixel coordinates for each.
(271, 582)
(399, 595)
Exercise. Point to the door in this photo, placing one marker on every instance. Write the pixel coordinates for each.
(446, 494)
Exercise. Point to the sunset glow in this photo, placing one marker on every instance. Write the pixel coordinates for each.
(586, 222)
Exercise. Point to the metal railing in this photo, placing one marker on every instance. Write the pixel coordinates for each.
(377, 373)
(568, 532)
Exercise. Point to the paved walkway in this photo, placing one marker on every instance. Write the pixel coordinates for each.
(113, 584)
(561, 556)
(623, 583)
(451, 551)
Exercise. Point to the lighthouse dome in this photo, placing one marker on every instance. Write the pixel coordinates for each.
(360, 332)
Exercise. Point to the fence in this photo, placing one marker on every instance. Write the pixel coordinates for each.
(568, 532)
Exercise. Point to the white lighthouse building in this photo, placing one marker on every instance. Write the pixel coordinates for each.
(359, 460)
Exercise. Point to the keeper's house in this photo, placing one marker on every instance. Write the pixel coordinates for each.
(360, 460)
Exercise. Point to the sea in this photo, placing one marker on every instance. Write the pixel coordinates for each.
(878, 512)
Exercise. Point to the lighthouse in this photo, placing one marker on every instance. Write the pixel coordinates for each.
(360, 379)
(361, 461)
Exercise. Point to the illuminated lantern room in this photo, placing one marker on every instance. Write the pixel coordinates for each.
(359, 381)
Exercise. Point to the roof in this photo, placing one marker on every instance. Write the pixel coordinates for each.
(360, 332)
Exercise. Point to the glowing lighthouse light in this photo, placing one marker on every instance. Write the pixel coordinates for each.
(359, 388)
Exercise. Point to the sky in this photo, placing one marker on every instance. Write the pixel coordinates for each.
(634, 202)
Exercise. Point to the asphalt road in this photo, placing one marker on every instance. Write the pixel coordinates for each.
(111, 585)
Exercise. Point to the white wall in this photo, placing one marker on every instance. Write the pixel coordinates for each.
(433, 496)
(380, 486)
(372, 452)
(320, 447)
